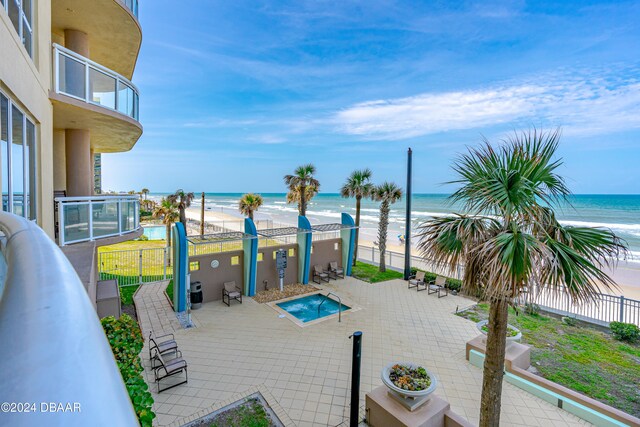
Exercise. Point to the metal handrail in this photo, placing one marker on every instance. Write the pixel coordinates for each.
(326, 297)
(54, 347)
(96, 198)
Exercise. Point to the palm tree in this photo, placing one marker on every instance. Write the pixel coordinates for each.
(169, 213)
(298, 182)
(182, 200)
(358, 185)
(144, 192)
(293, 196)
(249, 203)
(387, 193)
(510, 241)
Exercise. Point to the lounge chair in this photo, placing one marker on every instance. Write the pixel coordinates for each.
(319, 273)
(416, 281)
(335, 270)
(231, 291)
(161, 343)
(169, 368)
(437, 286)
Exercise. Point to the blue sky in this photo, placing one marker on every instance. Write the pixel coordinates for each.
(235, 94)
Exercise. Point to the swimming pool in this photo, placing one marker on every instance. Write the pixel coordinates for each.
(305, 309)
(155, 233)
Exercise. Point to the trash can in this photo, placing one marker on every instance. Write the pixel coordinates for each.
(196, 295)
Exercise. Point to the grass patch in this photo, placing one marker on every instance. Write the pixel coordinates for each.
(126, 294)
(131, 245)
(580, 357)
(370, 273)
(249, 414)
(169, 289)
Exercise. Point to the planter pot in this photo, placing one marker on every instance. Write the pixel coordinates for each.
(515, 338)
(409, 399)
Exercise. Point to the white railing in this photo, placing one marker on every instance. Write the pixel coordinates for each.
(81, 78)
(604, 310)
(82, 219)
(54, 348)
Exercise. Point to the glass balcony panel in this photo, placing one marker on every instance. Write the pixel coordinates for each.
(128, 216)
(126, 99)
(76, 222)
(71, 76)
(30, 178)
(105, 219)
(102, 88)
(4, 150)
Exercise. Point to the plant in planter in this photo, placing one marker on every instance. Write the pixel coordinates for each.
(513, 333)
(409, 383)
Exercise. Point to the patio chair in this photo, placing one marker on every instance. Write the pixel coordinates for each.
(320, 274)
(416, 281)
(231, 291)
(437, 286)
(161, 343)
(169, 368)
(335, 270)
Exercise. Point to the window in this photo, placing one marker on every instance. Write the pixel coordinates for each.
(194, 266)
(336, 246)
(274, 254)
(18, 160)
(235, 260)
(260, 256)
(292, 252)
(21, 15)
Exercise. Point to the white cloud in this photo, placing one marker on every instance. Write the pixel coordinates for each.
(594, 105)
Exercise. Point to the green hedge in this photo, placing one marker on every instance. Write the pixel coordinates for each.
(452, 284)
(625, 331)
(126, 343)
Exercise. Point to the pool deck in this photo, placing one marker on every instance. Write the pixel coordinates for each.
(305, 372)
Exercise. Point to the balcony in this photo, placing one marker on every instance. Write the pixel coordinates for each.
(87, 95)
(112, 27)
(85, 219)
(54, 347)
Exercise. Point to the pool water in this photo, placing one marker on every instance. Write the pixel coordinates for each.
(306, 308)
(155, 233)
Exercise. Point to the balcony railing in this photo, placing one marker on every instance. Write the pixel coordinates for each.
(54, 348)
(132, 5)
(83, 219)
(88, 81)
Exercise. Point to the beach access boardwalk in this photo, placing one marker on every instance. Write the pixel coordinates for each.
(305, 372)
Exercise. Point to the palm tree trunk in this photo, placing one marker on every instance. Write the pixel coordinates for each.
(168, 253)
(355, 249)
(202, 216)
(251, 214)
(183, 218)
(382, 234)
(303, 201)
(494, 363)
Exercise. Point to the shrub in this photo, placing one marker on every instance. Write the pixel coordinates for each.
(452, 284)
(143, 238)
(532, 308)
(625, 331)
(126, 342)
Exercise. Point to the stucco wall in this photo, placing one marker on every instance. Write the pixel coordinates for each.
(213, 279)
(26, 81)
(267, 267)
(325, 251)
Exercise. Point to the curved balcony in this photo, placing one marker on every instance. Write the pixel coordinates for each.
(84, 219)
(54, 347)
(112, 27)
(89, 96)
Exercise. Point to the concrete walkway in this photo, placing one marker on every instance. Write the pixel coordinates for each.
(307, 370)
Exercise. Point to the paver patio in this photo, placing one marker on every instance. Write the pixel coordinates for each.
(307, 370)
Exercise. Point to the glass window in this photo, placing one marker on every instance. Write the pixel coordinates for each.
(235, 260)
(21, 16)
(4, 150)
(17, 161)
(71, 76)
(102, 88)
(30, 176)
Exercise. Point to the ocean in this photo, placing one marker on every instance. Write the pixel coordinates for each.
(620, 213)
